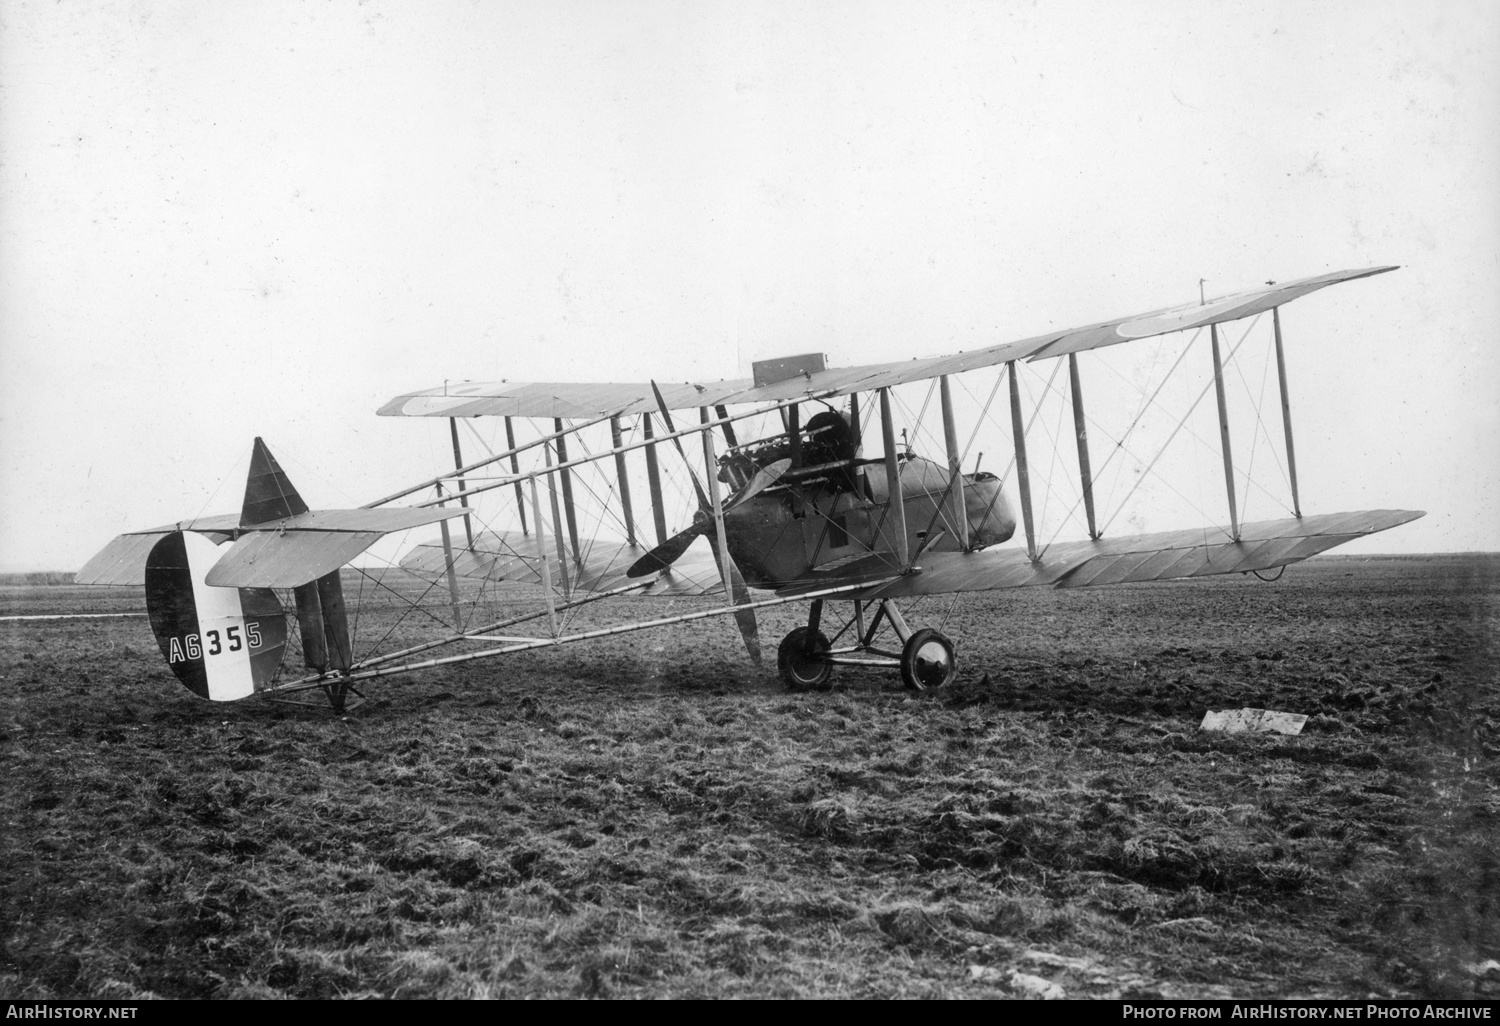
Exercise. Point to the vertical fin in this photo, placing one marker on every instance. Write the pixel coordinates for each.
(268, 493)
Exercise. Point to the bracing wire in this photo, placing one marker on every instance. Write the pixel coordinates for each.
(1120, 442)
(957, 596)
(1120, 446)
(1260, 422)
(220, 486)
(1053, 436)
(411, 605)
(1254, 435)
(1147, 472)
(1025, 430)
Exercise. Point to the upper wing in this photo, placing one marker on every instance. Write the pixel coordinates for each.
(573, 400)
(1263, 545)
(568, 400)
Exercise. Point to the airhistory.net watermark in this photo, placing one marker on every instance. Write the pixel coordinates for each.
(43, 1010)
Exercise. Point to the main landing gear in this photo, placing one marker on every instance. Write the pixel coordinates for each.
(806, 657)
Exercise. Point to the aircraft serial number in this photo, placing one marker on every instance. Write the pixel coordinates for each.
(191, 647)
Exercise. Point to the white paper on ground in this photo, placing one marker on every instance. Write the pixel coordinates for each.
(1238, 721)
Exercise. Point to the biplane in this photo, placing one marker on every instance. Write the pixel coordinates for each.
(789, 509)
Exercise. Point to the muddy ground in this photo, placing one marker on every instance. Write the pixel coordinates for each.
(651, 816)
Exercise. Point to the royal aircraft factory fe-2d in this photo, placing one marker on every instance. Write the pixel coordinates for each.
(807, 519)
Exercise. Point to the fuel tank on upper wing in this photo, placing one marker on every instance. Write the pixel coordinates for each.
(780, 535)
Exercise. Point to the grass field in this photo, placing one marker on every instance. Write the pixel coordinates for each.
(650, 816)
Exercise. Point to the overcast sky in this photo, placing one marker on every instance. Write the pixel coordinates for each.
(220, 220)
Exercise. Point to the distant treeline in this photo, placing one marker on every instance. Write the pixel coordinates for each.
(37, 577)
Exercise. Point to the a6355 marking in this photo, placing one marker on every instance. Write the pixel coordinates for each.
(191, 646)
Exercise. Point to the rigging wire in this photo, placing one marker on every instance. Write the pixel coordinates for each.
(1147, 472)
(1146, 404)
(957, 595)
(1260, 422)
(1025, 430)
(1120, 446)
(941, 507)
(1254, 435)
(223, 478)
(305, 469)
(1053, 437)
(359, 605)
(411, 605)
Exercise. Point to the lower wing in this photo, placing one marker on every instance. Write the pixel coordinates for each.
(1263, 545)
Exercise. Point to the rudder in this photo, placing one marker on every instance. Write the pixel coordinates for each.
(222, 643)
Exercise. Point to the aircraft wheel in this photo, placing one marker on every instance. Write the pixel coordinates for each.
(928, 660)
(803, 670)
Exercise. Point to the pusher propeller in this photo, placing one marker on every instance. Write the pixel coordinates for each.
(669, 551)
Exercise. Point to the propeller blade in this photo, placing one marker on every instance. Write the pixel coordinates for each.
(669, 551)
(739, 594)
(734, 581)
(764, 478)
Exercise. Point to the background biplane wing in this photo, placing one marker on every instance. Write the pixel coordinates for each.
(512, 556)
(589, 400)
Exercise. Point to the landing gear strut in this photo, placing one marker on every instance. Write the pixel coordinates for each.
(807, 657)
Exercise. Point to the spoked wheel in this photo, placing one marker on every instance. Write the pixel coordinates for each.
(928, 660)
(804, 667)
